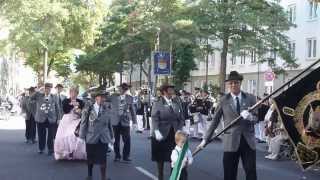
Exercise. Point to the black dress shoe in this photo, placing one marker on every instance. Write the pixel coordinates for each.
(117, 159)
(89, 178)
(50, 153)
(127, 160)
(40, 151)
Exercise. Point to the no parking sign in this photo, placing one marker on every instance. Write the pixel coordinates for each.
(269, 76)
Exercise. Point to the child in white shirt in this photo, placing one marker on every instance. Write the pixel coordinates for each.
(180, 139)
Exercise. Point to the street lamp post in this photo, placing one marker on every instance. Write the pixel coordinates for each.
(45, 65)
(156, 48)
(207, 63)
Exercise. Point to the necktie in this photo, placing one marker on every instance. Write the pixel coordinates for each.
(60, 100)
(170, 105)
(238, 105)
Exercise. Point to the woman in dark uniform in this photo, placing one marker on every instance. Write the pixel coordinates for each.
(96, 130)
(167, 119)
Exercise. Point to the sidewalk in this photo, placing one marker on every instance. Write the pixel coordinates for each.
(15, 122)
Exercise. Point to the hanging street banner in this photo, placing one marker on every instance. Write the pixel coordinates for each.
(162, 63)
(299, 110)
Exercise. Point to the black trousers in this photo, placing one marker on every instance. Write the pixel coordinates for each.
(248, 158)
(124, 132)
(31, 128)
(45, 129)
(55, 129)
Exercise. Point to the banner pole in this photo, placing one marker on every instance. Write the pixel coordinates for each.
(255, 106)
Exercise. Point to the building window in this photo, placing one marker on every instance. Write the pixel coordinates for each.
(312, 48)
(198, 63)
(292, 13)
(233, 59)
(211, 60)
(273, 54)
(292, 49)
(252, 86)
(313, 8)
(243, 58)
(253, 56)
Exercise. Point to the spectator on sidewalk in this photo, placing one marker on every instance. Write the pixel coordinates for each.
(260, 126)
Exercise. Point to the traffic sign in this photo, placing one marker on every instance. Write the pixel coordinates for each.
(269, 76)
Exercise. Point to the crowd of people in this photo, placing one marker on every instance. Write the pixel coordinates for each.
(88, 128)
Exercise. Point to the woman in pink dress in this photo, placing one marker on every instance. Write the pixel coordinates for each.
(67, 145)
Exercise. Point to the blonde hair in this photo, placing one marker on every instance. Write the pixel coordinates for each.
(180, 136)
(74, 88)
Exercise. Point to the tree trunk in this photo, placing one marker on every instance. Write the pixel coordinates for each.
(45, 66)
(223, 63)
(150, 78)
(121, 72)
(40, 77)
(131, 71)
(140, 78)
(100, 76)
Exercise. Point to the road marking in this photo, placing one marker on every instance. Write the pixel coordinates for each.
(147, 173)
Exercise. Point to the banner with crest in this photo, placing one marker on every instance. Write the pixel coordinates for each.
(299, 110)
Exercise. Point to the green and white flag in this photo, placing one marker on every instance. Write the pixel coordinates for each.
(175, 175)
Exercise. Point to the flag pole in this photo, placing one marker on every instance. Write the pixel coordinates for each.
(255, 106)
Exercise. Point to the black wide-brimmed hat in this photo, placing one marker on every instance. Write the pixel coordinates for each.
(31, 89)
(124, 86)
(234, 76)
(165, 87)
(59, 86)
(98, 93)
(49, 85)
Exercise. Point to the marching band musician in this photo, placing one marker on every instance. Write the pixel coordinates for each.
(202, 107)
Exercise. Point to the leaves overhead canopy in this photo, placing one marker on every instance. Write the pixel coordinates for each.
(56, 25)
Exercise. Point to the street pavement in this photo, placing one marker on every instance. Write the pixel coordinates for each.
(20, 161)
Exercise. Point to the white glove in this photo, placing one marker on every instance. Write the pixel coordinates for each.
(134, 126)
(245, 114)
(158, 135)
(202, 144)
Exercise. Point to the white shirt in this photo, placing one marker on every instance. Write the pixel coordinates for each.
(169, 101)
(122, 97)
(175, 154)
(96, 108)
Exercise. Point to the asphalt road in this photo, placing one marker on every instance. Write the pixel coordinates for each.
(20, 161)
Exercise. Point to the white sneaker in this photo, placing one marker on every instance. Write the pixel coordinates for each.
(272, 157)
(267, 156)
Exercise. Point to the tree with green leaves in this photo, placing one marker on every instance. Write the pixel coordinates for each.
(57, 27)
(245, 25)
(172, 22)
(182, 65)
(129, 35)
